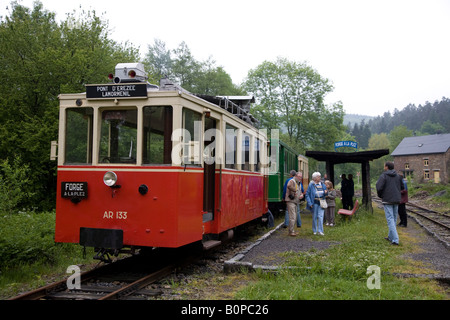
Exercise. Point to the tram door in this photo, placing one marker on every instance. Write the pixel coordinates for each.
(209, 170)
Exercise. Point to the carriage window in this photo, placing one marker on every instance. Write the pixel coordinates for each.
(192, 125)
(157, 135)
(230, 147)
(118, 136)
(246, 152)
(78, 148)
(257, 155)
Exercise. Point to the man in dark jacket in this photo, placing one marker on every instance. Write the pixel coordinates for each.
(389, 187)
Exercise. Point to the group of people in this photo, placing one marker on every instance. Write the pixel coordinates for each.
(320, 200)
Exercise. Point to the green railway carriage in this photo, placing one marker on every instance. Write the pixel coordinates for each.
(283, 160)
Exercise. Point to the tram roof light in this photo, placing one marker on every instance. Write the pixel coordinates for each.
(129, 72)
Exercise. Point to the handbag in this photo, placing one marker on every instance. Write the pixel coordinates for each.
(323, 202)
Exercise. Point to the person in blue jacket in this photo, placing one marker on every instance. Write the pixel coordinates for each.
(316, 191)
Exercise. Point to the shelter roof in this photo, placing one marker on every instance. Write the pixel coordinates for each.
(347, 157)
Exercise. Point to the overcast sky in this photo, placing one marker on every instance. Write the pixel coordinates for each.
(379, 55)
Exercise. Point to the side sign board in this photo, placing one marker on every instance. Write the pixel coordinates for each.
(74, 190)
(113, 91)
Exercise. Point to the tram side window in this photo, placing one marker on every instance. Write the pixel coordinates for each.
(230, 147)
(192, 134)
(246, 152)
(118, 136)
(257, 155)
(79, 124)
(157, 135)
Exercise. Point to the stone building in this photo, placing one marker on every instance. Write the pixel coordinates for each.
(425, 158)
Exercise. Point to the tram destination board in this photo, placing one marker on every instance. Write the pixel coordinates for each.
(74, 189)
(114, 91)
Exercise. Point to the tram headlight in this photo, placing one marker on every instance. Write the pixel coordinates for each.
(110, 179)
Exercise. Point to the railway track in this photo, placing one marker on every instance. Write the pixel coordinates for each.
(435, 223)
(125, 279)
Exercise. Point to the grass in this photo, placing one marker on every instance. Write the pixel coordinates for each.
(29, 257)
(428, 189)
(341, 271)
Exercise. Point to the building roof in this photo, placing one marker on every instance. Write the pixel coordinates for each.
(437, 143)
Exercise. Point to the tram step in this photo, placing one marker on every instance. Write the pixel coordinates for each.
(211, 244)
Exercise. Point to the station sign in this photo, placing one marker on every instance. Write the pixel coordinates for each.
(114, 91)
(341, 144)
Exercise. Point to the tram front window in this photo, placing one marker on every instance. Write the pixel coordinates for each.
(78, 142)
(118, 136)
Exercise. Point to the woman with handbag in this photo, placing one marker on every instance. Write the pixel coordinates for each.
(316, 203)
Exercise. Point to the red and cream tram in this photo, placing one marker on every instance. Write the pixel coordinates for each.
(155, 166)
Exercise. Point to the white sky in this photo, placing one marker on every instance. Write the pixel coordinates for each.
(379, 54)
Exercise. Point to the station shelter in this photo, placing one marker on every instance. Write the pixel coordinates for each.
(362, 157)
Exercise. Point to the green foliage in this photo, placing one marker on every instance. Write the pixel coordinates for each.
(397, 135)
(41, 59)
(15, 188)
(430, 118)
(200, 77)
(290, 96)
(27, 238)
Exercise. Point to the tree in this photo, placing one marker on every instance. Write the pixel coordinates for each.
(158, 61)
(397, 135)
(429, 127)
(41, 59)
(376, 142)
(193, 75)
(290, 96)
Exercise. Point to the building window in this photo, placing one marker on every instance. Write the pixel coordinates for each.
(406, 166)
(426, 174)
(425, 162)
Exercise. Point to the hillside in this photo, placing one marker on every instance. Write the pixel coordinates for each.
(356, 118)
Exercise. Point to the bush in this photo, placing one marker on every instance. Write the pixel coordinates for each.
(14, 185)
(27, 238)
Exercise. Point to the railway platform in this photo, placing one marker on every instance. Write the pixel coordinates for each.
(268, 253)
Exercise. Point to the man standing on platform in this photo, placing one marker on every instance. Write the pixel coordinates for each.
(389, 187)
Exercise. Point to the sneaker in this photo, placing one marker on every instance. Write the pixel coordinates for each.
(321, 233)
(331, 224)
(327, 224)
(315, 233)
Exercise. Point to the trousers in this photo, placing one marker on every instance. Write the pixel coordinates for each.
(391, 211)
(292, 210)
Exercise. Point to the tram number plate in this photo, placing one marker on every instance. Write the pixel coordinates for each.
(74, 190)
